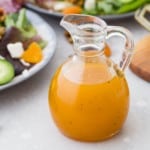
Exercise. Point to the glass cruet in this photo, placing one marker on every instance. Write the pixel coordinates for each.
(88, 95)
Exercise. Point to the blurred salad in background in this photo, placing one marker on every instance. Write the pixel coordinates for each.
(10, 6)
(92, 7)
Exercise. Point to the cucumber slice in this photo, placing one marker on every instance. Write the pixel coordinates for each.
(7, 71)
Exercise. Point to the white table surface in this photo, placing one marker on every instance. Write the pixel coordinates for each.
(25, 121)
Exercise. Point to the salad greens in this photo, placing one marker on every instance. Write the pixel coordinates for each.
(131, 6)
(20, 21)
(115, 6)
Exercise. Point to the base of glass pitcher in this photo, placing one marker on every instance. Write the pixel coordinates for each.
(93, 139)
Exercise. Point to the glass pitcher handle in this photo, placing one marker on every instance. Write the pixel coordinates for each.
(129, 44)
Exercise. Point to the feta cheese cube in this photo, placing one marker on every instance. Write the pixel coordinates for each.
(25, 73)
(89, 4)
(15, 49)
(59, 6)
(24, 63)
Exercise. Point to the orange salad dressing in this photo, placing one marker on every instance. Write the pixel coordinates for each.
(89, 105)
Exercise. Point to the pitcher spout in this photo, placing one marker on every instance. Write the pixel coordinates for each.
(83, 24)
(87, 32)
